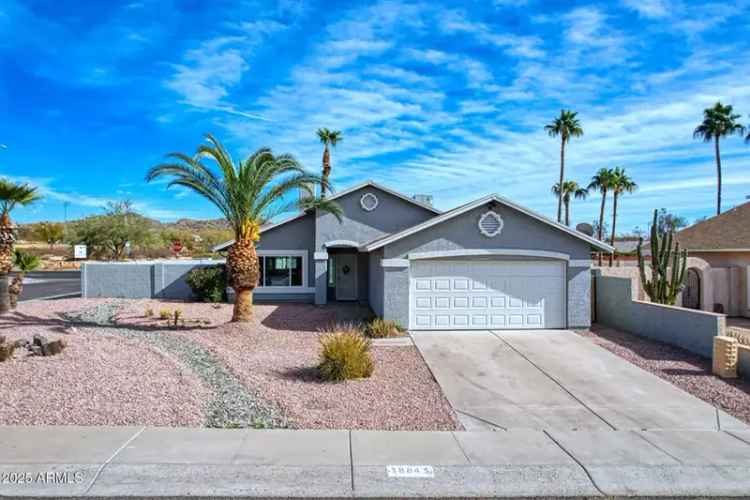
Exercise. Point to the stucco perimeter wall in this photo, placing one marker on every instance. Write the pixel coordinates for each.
(139, 280)
(377, 276)
(690, 329)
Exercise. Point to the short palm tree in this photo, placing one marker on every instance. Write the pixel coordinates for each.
(570, 188)
(328, 138)
(602, 182)
(621, 183)
(566, 126)
(24, 263)
(248, 193)
(718, 121)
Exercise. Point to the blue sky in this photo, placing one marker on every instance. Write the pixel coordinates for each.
(447, 98)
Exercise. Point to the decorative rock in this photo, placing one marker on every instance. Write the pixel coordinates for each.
(40, 340)
(52, 348)
(36, 350)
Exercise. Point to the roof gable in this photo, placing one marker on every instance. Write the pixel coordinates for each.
(727, 231)
(381, 242)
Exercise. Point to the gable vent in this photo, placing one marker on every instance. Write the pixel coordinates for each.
(490, 224)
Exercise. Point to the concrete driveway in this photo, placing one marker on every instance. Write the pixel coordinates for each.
(556, 380)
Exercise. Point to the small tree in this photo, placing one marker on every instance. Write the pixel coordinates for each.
(666, 280)
(50, 232)
(108, 235)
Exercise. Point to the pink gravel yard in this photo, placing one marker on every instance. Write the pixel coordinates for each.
(96, 380)
(687, 371)
(106, 379)
(277, 354)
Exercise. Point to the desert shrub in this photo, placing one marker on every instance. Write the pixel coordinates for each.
(165, 314)
(380, 328)
(149, 313)
(345, 355)
(208, 283)
(177, 316)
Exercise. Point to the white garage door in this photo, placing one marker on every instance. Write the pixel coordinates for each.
(484, 294)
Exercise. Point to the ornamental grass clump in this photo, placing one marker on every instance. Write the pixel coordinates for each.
(345, 355)
(380, 328)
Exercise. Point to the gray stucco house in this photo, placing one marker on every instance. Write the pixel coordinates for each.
(486, 264)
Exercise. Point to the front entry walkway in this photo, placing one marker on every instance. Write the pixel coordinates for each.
(555, 380)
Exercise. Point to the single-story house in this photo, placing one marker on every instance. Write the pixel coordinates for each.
(719, 263)
(490, 263)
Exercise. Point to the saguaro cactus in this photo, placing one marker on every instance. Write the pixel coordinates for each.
(667, 267)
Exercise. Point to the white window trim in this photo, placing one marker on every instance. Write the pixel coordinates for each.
(286, 289)
(365, 207)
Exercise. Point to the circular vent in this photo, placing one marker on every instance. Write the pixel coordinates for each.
(369, 202)
(490, 224)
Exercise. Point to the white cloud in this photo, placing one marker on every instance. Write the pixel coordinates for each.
(648, 8)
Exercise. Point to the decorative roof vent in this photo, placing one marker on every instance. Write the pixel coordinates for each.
(490, 224)
(369, 202)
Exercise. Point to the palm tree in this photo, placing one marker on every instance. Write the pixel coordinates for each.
(602, 182)
(327, 137)
(566, 126)
(11, 195)
(718, 122)
(621, 183)
(569, 188)
(25, 263)
(248, 193)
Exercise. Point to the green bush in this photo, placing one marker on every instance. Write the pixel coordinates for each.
(208, 283)
(380, 328)
(345, 355)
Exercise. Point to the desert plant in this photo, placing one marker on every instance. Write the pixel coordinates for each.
(383, 328)
(165, 314)
(177, 315)
(248, 193)
(25, 263)
(149, 313)
(664, 286)
(208, 283)
(345, 354)
(6, 350)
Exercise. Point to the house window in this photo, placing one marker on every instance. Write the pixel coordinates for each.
(281, 270)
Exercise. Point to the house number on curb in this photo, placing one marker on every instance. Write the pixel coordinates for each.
(417, 471)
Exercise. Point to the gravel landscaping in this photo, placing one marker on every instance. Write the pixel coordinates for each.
(687, 371)
(124, 368)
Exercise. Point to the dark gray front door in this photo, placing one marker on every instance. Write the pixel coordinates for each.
(691, 295)
(346, 276)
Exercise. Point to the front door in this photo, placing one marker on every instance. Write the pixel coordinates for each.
(691, 295)
(346, 276)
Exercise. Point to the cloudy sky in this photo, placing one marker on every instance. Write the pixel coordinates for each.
(447, 98)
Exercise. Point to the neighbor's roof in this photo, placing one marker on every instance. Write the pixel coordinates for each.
(383, 241)
(227, 244)
(729, 231)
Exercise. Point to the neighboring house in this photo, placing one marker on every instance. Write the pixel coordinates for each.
(488, 264)
(719, 264)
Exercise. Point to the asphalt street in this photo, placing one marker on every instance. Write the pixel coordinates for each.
(47, 284)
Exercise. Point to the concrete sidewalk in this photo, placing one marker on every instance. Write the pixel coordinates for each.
(70, 462)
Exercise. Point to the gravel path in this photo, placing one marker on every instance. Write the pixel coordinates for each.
(687, 371)
(231, 403)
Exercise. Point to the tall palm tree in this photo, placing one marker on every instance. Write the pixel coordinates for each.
(11, 195)
(621, 183)
(247, 193)
(566, 126)
(328, 138)
(570, 188)
(602, 182)
(718, 121)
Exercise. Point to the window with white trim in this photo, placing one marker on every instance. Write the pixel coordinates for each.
(282, 270)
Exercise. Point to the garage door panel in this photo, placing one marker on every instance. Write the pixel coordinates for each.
(487, 294)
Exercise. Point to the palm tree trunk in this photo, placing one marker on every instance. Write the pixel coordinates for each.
(718, 175)
(15, 289)
(243, 305)
(562, 177)
(567, 212)
(326, 170)
(614, 224)
(601, 222)
(4, 294)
